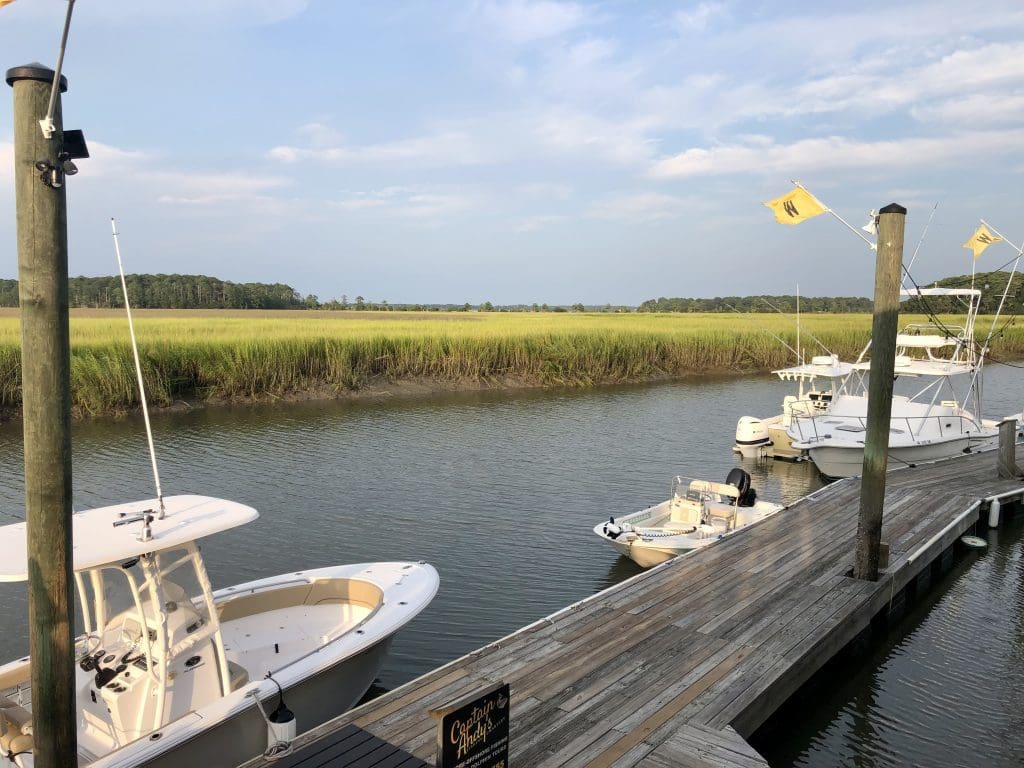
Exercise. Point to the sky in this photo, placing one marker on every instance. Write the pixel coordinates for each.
(520, 151)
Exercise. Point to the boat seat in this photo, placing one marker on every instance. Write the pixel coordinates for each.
(15, 727)
(680, 526)
(720, 511)
(237, 674)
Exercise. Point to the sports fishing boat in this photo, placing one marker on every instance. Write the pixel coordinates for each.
(172, 673)
(935, 422)
(698, 513)
(758, 438)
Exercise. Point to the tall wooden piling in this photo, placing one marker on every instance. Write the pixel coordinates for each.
(888, 263)
(46, 405)
(1008, 449)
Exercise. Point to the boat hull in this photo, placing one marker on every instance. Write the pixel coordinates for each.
(644, 554)
(314, 701)
(847, 461)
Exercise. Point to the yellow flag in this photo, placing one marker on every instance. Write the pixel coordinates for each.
(5, 2)
(981, 240)
(795, 206)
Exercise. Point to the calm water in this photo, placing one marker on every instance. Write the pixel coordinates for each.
(499, 491)
(942, 687)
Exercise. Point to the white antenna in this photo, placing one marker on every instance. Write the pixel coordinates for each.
(138, 373)
(799, 352)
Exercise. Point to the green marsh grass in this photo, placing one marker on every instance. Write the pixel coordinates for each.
(213, 356)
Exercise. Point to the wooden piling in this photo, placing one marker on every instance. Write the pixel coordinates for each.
(46, 405)
(888, 263)
(1008, 449)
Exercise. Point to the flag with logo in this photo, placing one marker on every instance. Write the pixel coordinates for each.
(981, 240)
(795, 206)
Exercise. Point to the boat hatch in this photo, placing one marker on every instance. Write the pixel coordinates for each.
(850, 428)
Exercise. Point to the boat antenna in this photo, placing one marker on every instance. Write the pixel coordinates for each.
(773, 335)
(799, 351)
(814, 338)
(920, 242)
(138, 373)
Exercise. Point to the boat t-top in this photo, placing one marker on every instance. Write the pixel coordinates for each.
(172, 673)
(817, 384)
(935, 422)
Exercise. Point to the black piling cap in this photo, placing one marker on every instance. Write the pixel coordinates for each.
(893, 208)
(34, 71)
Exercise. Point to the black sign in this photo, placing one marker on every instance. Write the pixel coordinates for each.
(473, 732)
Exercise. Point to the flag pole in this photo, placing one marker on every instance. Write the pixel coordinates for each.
(1006, 291)
(844, 222)
(1006, 240)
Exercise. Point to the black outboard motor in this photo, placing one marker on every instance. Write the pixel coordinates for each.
(740, 479)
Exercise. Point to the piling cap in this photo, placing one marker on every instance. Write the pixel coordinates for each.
(34, 71)
(893, 208)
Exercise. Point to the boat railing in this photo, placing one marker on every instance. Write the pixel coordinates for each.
(813, 428)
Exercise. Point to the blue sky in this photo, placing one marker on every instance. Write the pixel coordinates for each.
(517, 151)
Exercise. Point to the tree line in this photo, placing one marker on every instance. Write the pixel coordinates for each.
(169, 292)
(203, 292)
(787, 304)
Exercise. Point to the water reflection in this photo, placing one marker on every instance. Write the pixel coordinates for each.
(943, 686)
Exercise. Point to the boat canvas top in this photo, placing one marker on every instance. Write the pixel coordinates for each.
(101, 536)
(826, 366)
(909, 366)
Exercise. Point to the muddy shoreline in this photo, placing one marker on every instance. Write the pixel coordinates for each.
(381, 389)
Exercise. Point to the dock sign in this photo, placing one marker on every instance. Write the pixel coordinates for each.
(473, 732)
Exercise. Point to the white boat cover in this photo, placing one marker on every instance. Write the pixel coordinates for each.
(832, 370)
(907, 366)
(96, 541)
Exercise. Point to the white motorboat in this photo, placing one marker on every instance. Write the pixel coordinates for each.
(698, 513)
(172, 673)
(767, 437)
(929, 424)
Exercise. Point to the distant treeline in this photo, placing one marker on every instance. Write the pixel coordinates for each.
(991, 285)
(786, 304)
(203, 292)
(169, 292)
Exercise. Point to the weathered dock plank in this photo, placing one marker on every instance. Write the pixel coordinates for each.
(677, 665)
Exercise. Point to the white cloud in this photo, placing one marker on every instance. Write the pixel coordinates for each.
(523, 21)
(642, 206)
(536, 223)
(406, 202)
(698, 18)
(572, 132)
(444, 148)
(836, 152)
(976, 108)
(190, 188)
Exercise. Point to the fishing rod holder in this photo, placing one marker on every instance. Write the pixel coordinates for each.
(145, 517)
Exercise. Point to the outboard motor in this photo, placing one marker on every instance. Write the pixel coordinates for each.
(740, 480)
(752, 437)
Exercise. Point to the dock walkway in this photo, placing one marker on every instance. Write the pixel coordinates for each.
(678, 665)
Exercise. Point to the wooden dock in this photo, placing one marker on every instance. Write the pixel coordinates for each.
(676, 666)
